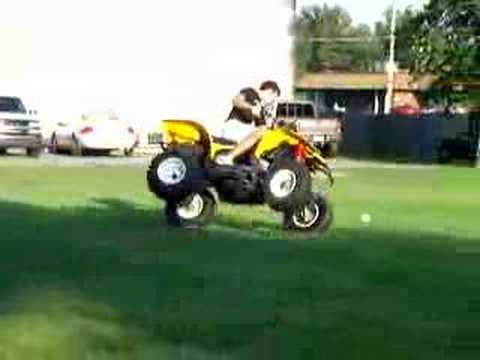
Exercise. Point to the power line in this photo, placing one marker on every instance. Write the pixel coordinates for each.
(348, 39)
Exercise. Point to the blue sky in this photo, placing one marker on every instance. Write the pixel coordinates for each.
(364, 11)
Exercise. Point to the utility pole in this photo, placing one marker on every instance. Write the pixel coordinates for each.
(391, 63)
(475, 119)
(293, 65)
(294, 8)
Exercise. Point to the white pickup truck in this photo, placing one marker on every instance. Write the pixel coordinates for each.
(324, 131)
(19, 128)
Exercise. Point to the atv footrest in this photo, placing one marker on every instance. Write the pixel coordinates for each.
(227, 171)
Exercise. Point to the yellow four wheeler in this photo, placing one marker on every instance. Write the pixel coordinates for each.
(277, 171)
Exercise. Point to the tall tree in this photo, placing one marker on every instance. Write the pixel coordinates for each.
(448, 40)
(332, 24)
(405, 35)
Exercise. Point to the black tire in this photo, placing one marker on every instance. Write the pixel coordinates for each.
(192, 173)
(321, 222)
(301, 191)
(53, 144)
(77, 149)
(246, 188)
(128, 152)
(3, 151)
(177, 211)
(97, 152)
(331, 149)
(34, 152)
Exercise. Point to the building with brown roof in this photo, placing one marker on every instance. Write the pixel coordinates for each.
(361, 92)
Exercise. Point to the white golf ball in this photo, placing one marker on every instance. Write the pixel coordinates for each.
(366, 218)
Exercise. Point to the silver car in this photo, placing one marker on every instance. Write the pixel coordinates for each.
(19, 128)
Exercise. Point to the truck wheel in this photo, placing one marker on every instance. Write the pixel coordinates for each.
(128, 152)
(197, 210)
(34, 152)
(176, 173)
(316, 215)
(331, 149)
(287, 185)
(53, 144)
(77, 149)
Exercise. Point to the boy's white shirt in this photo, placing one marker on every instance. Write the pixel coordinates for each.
(236, 130)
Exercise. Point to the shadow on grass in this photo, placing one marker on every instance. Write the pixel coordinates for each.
(112, 281)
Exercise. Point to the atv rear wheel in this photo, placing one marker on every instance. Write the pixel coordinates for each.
(176, 173)
(194, 211)
(287, 184)
(316, 215)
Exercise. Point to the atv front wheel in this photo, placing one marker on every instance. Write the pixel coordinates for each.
(287, 185)
(316, 215)
(194, 211)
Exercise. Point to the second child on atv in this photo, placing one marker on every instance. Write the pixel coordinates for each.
(247, 121)
(256, 161)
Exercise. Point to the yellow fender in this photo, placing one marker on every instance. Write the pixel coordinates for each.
(184, 132)
(272, 139)
(216, 148)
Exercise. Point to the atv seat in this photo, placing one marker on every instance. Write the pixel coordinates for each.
(223, 141)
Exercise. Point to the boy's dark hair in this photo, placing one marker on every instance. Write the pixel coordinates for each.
(270, 85)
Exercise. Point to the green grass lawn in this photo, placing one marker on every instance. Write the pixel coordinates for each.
(89, 270)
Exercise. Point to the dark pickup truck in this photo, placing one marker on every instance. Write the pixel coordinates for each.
(325, 130)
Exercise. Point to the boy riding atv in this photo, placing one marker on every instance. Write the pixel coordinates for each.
(196, 169)
(246, 122)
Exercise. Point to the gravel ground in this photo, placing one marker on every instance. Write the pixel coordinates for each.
(70, 161)
(346, 163)
(19, 159)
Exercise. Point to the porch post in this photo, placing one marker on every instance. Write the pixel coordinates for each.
(376, 107)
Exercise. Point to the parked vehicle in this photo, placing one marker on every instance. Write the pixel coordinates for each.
(19, 128)
(325, 131)
(461, 144)
(406, 110)
(277, 171)
(465, 146)
(96, 133)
